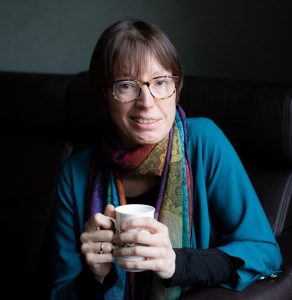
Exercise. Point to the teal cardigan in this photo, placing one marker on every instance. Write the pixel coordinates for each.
(227, 212)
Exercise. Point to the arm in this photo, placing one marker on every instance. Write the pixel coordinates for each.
(230, 215)
(72, 278)
(202, 267)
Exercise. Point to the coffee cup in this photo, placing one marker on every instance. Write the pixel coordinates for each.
(130, 211)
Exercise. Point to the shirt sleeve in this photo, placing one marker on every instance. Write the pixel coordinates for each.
(67, 261)
(70, 277)
(202, 267)
(89, 288)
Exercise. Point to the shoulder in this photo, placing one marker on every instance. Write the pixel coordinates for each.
(79, 162)
(206, 140)
(204, 130)
(200, 123)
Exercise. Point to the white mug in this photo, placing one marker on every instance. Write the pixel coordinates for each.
(130, 211)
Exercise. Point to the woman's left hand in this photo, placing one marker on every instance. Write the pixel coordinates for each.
(158, 253)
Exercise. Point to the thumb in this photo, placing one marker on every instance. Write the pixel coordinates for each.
(110, 211)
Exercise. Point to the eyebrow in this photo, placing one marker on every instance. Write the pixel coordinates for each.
(132, 77)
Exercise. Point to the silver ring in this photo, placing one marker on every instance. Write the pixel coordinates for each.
(100, 251)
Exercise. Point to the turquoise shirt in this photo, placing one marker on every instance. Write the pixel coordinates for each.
(227, 212)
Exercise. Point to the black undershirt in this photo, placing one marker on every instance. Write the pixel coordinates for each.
(200, 267)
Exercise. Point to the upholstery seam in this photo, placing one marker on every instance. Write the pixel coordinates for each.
(283, 208)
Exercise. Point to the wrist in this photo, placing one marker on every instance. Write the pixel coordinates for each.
(171, 267)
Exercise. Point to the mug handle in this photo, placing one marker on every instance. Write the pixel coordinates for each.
(114, 222)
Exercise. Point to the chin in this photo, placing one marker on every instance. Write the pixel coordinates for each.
(149, 140)
(143, 138)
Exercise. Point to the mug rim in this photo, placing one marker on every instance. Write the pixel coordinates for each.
(121, 208)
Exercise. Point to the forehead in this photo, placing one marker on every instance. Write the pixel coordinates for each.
(144, 67)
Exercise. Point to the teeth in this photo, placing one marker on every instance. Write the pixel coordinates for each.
(145, 121)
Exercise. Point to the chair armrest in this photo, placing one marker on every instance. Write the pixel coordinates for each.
(266, 289)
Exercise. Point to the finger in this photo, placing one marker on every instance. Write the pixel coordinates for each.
(142, 237)
(97, 221)
(143, 251)
(133, 236)
(146, 264)
(93, 222)
(148, 223)
(97, 236)
(110, 211)
(103, 247)
(97, 248)
(93, 258)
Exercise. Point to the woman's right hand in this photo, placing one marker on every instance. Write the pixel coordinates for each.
(97, 243)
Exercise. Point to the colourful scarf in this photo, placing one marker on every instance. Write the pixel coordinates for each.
(167, 159)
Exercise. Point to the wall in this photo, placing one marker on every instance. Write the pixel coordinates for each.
(223, 38)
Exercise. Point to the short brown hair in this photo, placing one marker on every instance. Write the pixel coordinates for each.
(126, 45)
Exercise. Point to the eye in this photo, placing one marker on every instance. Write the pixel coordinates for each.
(125, 86)
(161, 82)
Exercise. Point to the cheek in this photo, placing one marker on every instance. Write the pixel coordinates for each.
(113, 108)
(115, 116)
(118, 113)
(170, 111)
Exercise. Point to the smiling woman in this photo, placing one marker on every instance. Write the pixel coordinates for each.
(146, 119)
(150, 153)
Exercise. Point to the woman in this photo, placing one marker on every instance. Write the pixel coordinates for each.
(209, 226)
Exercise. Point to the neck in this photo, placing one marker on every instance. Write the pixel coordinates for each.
(137, 185)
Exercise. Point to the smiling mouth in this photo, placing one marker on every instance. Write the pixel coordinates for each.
(145, 121)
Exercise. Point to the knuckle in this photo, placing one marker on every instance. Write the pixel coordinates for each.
(160, 265)
(89, 258)
(163, 252)
(110, 235)
(164, 240)
(137, 237)
(97, 217)
(135, 251)
(109, 258)
(107, 247)
(134, 265)
(165, 228)
(83, 238)
(84, 249)
(120, 238)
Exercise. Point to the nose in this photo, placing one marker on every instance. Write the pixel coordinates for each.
(145, 99)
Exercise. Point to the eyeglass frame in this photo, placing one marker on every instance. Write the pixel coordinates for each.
(141, 83)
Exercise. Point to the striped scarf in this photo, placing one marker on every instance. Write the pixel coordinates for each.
(173, 207)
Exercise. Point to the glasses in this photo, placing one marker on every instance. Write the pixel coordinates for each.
(161, 87)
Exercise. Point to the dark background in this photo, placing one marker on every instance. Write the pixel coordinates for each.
(249, 39)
